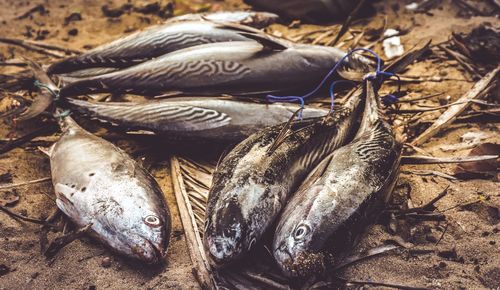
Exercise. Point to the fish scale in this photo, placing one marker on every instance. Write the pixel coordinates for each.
(236, 67)
(253, 182)
(96, 183)
(192, 118)
(343, 194)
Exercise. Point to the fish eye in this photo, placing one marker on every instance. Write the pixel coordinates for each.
(301, 231)
(152, 221)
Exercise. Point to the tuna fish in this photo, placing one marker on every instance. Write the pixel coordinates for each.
(96, 183)
(193, 118)
(250, 18)
(147, 44)
(237, 67)
(253, 182)
(339, 198)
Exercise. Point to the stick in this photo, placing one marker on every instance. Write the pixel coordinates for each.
(451, 114)
(428, 205)
(397, 286)
(26, 219)
(191, 231)
(430, 172)
(347, 22)
(372, 252)
(60, 242)
(28, 46)
(48, 129)
(442, 160)
(10, 186)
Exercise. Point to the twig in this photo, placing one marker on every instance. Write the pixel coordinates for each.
(10, 186)
(397, 286)
(266, 281)
(60, 242)
(27, 45)
(38, 8)
(430, 172)
(48, 129)
(26, 219)
(427, 206)
(403, 100)
(357, 258)
(54, 47)
(459, 57)
(451, 114)
(347, 22)
(415, 159)
(195, 246)
(442, 235)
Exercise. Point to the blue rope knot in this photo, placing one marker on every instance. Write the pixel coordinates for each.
(377, 74)
(63, 114)
(40, 85)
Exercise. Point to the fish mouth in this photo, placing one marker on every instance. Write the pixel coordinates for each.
(148, 252)
(221, 252)
(303, 265)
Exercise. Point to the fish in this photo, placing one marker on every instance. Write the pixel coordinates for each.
(220, 119)
(235, 68)
(339, 198)
(250, 18)
(253, 181)
(314, 11)
(147, 44)
(98, 184)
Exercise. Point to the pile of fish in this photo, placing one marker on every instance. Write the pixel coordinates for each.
(318, 178)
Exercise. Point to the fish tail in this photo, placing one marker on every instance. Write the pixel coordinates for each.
(371, 113)
(81, 87)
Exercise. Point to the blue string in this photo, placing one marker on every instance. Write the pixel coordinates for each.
(389, 99)
(332, 91)
(42, 85)
(63, 114)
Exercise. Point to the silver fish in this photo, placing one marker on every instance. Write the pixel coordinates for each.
(147, 44)
(339, 198)
(253, 182)
(250, 18)
(97, 183)
(311, 10)
(192, 118)
(238, 67)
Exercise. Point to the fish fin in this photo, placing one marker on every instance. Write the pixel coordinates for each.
(269, 43)
(46, 151)
(317, 172)
(283, 134)
(45, 99)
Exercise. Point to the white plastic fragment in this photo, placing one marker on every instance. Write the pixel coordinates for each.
(392, 45)
(412, 6)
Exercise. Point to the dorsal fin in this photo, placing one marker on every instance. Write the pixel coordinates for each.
(269, 43)
(316, 173)
(282, 134)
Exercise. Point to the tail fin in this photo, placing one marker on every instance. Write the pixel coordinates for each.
(371, 113)
(48, 92)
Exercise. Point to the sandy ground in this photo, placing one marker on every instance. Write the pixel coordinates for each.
(461, 252)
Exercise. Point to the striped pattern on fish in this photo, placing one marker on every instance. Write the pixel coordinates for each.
(192, 118)
(253, 183)
(220, 68)
(339, 198)
(147, 44)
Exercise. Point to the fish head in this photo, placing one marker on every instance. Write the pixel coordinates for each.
(127, 219)
(149, 240)
(295, 239)
(231, 230)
